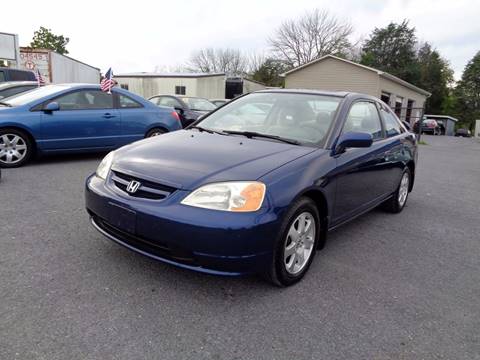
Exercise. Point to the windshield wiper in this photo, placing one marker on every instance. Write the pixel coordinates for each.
(210, 131)
(251, 134)
(5, 104)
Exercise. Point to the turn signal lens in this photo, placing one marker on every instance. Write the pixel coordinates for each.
(244, 196)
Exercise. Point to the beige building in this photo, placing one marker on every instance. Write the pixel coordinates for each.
(335, 74)
(209, 86)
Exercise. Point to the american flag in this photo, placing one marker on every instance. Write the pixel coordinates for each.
(39, 77)
(107, 82)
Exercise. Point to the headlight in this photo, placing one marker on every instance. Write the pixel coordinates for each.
(228, 196)
(105, 165)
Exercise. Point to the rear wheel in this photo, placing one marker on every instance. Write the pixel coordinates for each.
(397, 202)
(155, 132)
(295, 246)
(15, 148)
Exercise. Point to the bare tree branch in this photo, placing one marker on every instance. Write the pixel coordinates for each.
(315, 34)
(229, 61)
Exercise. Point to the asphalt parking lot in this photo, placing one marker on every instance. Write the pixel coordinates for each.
(386, 286)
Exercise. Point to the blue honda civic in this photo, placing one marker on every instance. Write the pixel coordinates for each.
(254, 186)
(76, 118)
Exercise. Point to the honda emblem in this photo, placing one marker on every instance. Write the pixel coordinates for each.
(133, 186)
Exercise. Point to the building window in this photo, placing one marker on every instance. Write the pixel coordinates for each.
(124, 86)
(385, 97)
(409, 110)
(180, 90)
(398, 106)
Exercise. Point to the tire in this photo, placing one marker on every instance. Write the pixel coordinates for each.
(16, 148)
(155, 132)
(286, 270)
(397, 202)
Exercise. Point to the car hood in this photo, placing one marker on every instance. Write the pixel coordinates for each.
(186, 159)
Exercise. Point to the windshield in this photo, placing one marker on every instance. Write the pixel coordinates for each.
(32, 95)
(302, 117)
(199, 104)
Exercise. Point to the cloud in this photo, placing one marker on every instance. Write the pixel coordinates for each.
(139, 35)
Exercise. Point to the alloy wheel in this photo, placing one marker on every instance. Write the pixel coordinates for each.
(299, 243)
(13, 149)
(403, 190)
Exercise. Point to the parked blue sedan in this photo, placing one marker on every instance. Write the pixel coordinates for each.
(76, 118)
(234, 195)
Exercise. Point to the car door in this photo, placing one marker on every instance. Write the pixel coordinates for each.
(85, 119)
(399, 151)
(134, 117)
(361, 172)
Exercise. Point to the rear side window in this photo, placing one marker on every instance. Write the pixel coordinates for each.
(14, 91)
(169, 101)
(2, 76)
(392, 125)
(18, 75)
(363, 117)
(85, 100)
(127, 103)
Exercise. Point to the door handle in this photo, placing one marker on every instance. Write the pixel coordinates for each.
(108, 116)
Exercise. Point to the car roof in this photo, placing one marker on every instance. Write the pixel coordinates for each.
(10, 84)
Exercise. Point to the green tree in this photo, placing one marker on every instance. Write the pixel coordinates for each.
(43, 38)
(468, 93)
(435, 75)
(392, 49)
(269, 72)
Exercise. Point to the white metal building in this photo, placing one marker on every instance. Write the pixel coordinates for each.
(57, 68)
(336, 74)
(209, 86)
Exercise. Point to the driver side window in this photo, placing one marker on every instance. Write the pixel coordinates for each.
(363, 117)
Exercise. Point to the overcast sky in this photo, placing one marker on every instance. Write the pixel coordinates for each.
(140, 35)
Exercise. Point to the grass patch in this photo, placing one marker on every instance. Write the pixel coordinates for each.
(422, 142)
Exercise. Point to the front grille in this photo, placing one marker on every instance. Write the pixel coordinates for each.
(147, 190)
(154, 248)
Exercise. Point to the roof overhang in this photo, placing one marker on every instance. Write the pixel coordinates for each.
(441, 117)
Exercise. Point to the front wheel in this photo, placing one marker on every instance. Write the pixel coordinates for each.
(296, 244)
(397, 202)
(15, 148)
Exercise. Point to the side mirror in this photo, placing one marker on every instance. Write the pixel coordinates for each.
(53, 106)
(179, 110)
(353, 140)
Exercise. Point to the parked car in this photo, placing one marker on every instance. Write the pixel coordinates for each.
(219, 102)
(9, 74)
(227, 196)
(12, 88)
(76, 118)
(463, 132)
(189, 108)
(429, 126)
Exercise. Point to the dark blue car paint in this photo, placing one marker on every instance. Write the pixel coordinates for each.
(344, 184)
(86, 130)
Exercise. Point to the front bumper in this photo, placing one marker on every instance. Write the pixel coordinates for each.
(210, 241)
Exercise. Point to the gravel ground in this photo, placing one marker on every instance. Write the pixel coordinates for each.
(386, 286)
